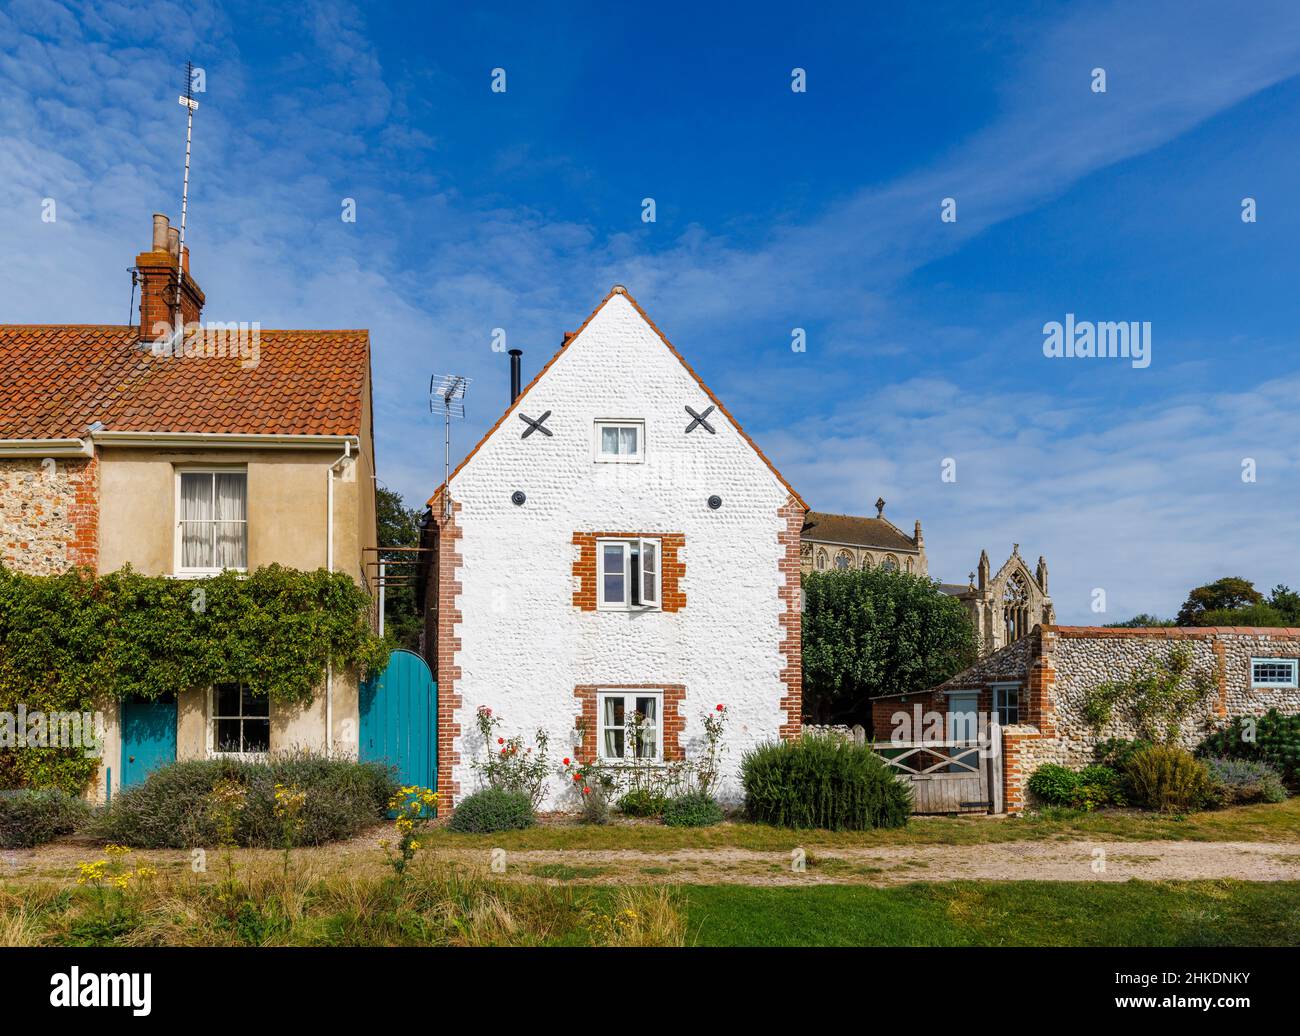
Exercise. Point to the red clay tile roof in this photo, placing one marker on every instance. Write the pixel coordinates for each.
(57, 379)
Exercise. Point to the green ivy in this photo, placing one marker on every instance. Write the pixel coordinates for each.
(72, 643)
(1156, 697)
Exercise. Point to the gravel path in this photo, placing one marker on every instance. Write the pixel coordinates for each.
(1007, 861)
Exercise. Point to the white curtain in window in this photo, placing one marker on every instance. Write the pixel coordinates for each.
(613, 723)
(196, 512)
(231, 513)
(649, 710)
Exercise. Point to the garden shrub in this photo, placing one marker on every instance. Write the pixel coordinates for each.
(71, 642)
(492, 809)
(1169, 779)
(1237, 782)
(172, 808)
(29, 818)
(1054, 784)
(1275, 740)
(1115, 752)
(1100, 786)
(822, 782)
(643, 802)
(1086, 789)
(694, 809)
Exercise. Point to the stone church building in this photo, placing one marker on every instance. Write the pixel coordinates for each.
(847, 541)
(1007, 606)
(1003, 608)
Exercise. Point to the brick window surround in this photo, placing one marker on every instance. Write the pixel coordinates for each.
(674, 721)
(671, 596)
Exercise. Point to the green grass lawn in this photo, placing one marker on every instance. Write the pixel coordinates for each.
(1135, 913)
(1261, 823)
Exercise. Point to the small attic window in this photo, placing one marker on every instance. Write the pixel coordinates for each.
(619, 442)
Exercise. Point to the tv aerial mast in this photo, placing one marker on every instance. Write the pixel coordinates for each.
(191, 106)
(447, 396)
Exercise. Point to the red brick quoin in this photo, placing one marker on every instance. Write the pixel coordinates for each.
(791, 619)
(449, 616)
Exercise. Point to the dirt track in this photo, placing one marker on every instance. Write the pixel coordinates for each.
(1008, 861)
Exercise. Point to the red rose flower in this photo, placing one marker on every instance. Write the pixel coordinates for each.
(719, 708)
(566, 762)
(586, 791)
(501, 741)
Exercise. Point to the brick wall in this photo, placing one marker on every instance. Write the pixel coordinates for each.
(791, 618)
(448, 643)
(674, 721)
(673, 568)
(49, 514)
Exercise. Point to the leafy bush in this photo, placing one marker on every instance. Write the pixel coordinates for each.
(173, 809)
(1240, 781)
(1054, 784)
(1115, 752)
(70, 641)
(643, 802)
(1087, 789)
(29, 818)
(822, 782)
(1275, 740)
(595, 808)
(492, 809)
(1100, 786)
(1169, 779)
(694, 809)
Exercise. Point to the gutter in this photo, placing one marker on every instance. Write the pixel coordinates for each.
(224, 440)
(46, 448)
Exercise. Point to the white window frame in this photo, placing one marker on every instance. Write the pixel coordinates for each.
(610, 422)
(1270, 685)
(199, 573)
(629, 696)
(1000, 689)
(650, 596)
(213, 751)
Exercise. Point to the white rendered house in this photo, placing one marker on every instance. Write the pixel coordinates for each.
(614, 545)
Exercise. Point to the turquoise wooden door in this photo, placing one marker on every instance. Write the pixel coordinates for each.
(399, 710)
(148, 738)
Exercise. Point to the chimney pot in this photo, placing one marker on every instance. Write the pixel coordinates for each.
(160, 225)
(173, 242)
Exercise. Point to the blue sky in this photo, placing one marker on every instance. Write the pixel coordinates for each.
(478, 210)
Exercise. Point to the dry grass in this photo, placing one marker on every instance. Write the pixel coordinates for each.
(435, 904)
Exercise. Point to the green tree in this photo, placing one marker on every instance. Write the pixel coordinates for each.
(1143, 620)
(873, 632)
(399, 527)
(1223, 594)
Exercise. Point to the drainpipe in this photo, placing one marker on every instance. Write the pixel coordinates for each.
(329, 565)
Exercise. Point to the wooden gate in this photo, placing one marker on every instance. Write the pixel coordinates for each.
(947, 776)
(399, 726)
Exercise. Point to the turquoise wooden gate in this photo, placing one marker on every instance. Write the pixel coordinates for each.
(148, 738)
(399, 726)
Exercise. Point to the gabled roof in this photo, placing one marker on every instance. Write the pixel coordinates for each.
(55, 380)
(569, 340)
(856, 531)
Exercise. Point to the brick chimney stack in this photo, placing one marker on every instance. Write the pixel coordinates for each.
(157, 270)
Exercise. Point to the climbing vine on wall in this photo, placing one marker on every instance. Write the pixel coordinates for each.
(74, 643)
(1155, 699)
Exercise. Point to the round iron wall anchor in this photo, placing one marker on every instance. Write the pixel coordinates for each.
(517, 498)
(715, 502)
